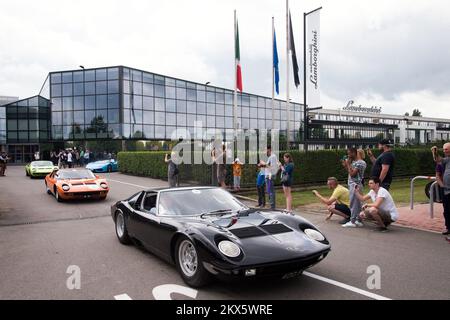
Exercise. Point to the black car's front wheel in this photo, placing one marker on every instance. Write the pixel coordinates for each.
(121, 228)
(189, 264)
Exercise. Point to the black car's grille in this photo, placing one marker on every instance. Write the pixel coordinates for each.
(249, 232)
(289, 266)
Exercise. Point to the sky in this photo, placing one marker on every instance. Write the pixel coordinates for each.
(390, 54)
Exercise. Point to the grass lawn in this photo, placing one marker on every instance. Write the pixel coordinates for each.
(400, 191)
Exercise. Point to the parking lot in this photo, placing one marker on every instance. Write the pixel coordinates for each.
(40, 238)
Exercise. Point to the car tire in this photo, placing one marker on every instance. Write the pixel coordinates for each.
(26, 173)
(58, 198)
(47, 189)
(192, 272)
(121, 228)
(102, 198)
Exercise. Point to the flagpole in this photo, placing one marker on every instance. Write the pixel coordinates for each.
(235, 81)
(273, 73)
(287, 75)
(305, 106)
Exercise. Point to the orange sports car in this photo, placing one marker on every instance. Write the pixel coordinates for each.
(68, 184)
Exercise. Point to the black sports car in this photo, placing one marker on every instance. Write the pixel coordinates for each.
(207, 232)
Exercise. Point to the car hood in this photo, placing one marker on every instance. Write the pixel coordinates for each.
(263, 236)
(81, 181)
(98, 164)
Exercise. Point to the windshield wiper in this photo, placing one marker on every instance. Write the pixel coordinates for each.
(246, 212)
(216, 212)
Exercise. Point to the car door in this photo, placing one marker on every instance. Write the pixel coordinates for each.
(154, 233)
(51, 181)
(146, 224)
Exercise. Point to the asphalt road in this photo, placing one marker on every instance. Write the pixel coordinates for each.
(40, 239)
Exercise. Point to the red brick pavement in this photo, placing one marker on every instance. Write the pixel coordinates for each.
(420, 218)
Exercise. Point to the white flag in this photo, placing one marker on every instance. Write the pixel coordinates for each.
(313, 61)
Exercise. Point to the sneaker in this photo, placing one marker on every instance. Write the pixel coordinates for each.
(349, 225)
(447, 238)
(446, 232)
(344, 221)
(359, 223)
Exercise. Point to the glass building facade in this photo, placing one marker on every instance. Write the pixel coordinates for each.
(28, 120)
(2, 125)
(121, 103)
(126, 103)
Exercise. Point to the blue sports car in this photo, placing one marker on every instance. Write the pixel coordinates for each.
(103, 166)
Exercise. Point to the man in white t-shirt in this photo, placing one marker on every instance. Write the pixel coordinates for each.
(382, 209)
(272, 165)
(69, 158)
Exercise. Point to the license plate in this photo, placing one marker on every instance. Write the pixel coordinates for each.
(292, 274)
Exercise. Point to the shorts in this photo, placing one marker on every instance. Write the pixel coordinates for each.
(343, 208)
(385, 216)
(287, 184)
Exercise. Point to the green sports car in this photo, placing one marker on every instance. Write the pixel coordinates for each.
(39, 168)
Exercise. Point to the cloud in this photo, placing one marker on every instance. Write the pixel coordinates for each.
(374, 52)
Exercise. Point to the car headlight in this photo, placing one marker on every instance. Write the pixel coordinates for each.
(104, 185)
(65, 187)
(230, 249)
(314, 234)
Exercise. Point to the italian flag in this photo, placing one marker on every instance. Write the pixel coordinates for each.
(238, 60)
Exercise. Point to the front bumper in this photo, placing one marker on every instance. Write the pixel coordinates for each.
(79, 195)
(97, 169)
(39, 174)
(271, 269)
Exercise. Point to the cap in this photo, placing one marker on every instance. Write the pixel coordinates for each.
(386, 142)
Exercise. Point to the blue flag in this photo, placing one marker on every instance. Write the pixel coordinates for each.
(275, 63)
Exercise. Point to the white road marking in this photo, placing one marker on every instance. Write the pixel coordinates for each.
(164, 291)
(123, 296)
(130, 184)
(346, 286)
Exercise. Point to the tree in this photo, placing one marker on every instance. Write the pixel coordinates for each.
(416, 113)
(407, 114)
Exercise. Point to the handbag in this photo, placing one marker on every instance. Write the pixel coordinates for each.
(284, 177)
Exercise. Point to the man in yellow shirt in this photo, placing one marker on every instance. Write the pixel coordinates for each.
(339, 201)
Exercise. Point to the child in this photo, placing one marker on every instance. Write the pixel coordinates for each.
(260, 184)
(237, 171)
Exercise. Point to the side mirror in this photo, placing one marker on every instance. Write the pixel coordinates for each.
(153, 211)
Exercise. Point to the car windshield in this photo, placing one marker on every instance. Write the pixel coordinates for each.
(76, 174)
(42, 164)
(197, 201)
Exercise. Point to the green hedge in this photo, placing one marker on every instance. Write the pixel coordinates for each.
(310, 167)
